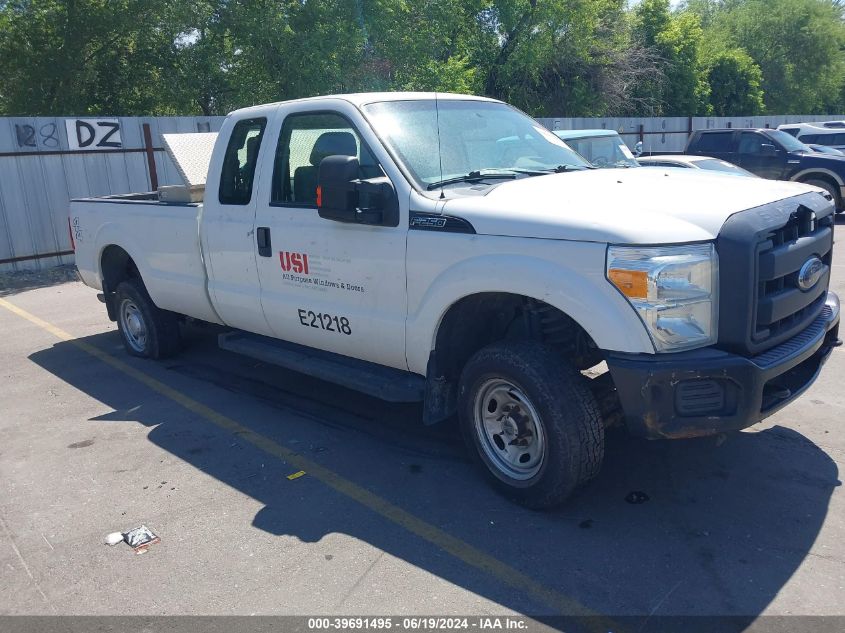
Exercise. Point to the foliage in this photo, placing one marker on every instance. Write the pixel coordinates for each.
(735, 83)
(548, 57)
(676, 39)
(799, 46)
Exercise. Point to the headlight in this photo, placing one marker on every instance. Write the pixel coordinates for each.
(674, 289)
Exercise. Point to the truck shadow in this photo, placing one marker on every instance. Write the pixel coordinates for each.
(715, 528)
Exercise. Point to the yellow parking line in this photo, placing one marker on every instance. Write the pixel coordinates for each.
(461, 550)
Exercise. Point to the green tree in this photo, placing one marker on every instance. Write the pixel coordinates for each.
(563, 57)
(677, 40)
(799, 46)
(735, 83)
(431, 45)
(83, 56)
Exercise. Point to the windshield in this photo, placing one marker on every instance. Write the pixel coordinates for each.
(604, 151)
(714, 164)
(475, 136)
(788, 142)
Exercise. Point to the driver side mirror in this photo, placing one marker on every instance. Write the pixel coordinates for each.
(343, 197)
(769, 150)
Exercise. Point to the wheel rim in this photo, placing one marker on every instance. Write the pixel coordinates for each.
(133, 326)
(509, 429)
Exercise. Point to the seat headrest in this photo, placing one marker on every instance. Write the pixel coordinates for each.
(251, 149)
(333, 144)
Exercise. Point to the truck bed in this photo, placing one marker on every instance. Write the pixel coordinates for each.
(162, 238)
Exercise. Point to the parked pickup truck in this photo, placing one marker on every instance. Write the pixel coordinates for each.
(449, 250)
(774, 154)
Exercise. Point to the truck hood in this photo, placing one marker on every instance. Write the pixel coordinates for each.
(633, 206)
(817, 159)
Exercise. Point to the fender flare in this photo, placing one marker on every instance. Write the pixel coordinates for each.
(818, 170)
(590, 300)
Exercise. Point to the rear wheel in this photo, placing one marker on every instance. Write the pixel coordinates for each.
(833, 191)
(531, 422)
(146, 330)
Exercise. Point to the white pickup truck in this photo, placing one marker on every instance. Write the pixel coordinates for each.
(448, 249)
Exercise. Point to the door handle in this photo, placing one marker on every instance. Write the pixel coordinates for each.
(262, 235)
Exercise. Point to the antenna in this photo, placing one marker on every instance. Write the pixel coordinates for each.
(439, 149)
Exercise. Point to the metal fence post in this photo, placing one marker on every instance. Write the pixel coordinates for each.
(151, 161)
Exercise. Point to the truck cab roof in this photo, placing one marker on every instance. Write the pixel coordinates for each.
(359, 99)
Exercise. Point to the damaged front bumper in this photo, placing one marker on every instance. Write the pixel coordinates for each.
(708, 391)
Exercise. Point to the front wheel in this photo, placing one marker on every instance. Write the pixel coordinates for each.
(146, 330)
(530, 420)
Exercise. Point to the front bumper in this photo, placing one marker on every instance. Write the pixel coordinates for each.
(708, 391)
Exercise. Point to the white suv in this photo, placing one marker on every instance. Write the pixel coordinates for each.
(828, 133)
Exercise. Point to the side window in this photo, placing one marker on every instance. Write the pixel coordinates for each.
(827, 139)
(750, 143)
(239, 161)
(305, 140)
(714, 142)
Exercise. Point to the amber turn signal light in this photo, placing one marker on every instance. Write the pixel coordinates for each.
(631, 283)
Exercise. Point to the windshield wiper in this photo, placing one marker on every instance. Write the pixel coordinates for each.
(562, 168)
(473, 176)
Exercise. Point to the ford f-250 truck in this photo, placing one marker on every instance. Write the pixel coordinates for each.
(449, 250)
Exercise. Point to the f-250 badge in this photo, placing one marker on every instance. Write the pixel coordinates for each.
(295, 262)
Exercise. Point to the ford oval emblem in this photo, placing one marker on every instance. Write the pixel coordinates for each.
(810, 273)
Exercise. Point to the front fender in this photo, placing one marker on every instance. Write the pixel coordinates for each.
(570, 277)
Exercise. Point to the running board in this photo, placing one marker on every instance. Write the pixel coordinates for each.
(386, 383)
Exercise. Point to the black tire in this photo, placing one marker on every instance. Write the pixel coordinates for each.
(823, 184)
(161, 328)
(568, 417)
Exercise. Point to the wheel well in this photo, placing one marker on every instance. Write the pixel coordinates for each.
(115, 265)
(824, 178)
(481, 319)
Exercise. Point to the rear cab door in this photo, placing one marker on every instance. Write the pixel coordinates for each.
(719, 144)
(330, 285)
(227, 226)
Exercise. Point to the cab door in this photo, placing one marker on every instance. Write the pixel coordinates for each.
(325, 284)
(228, 221)
(760, 155)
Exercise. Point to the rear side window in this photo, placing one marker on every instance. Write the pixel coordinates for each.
(240, 160)
(823, 139)
(713, 142)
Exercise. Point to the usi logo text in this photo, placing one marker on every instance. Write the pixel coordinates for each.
(296, 262)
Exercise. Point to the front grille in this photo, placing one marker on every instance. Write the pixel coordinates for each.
(761, 252)
(783, 308)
